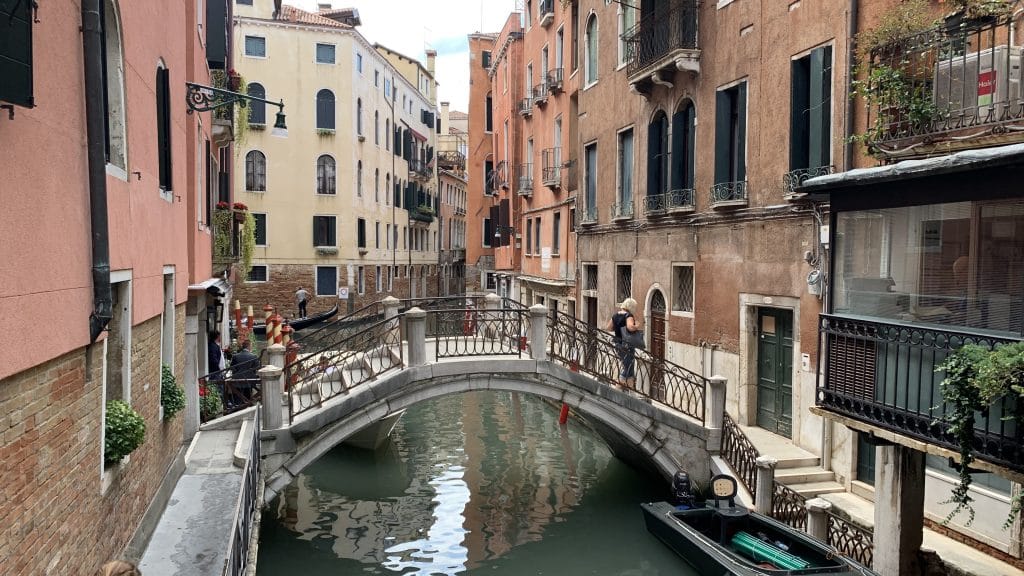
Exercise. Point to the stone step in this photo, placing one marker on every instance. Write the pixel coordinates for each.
(803, 475)
(795, 462)
(812, 489)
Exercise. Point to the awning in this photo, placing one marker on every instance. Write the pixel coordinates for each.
(217, 283)
(415, 134)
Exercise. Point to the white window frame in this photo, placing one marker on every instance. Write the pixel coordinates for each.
(267, 275)
(316, 52)
(316, 283)
(693, 290)
(246, 53)
(266, 228)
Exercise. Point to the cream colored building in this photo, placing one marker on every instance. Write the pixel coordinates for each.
(360, 138)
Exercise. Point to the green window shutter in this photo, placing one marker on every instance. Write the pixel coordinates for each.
(679, 151)
(163, 126)
(723, 113)
(653, 158)
(741, 132)
(799, 109)
(485, 59)
(820, 93)
(16, 52)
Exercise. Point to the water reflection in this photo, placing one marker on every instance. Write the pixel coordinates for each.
(467, 484)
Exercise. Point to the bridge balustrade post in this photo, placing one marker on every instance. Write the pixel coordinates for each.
(416, 329)
(391, 307)
(276, 355)
(492, 303)
(271, 393)
(817, 518)
(765, 484)
(715, 398)
(538, 332)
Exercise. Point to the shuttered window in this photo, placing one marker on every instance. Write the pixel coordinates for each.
(16, 52)
(361, 233)
(325, 231)
(325, 110)
(683, 128)
(163, 127)
(261, 228)
(326, 178)
(256, 46)
(255, 171)
(326, 280)
(810, 108)
(657, 155)
(325, 53)
(257, 110)
(731, 134)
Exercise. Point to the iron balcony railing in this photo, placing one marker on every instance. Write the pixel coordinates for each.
(496, 178)
(451, 160)
(680, 200)
(419, 169)
(526, 104)
(729, 193)
(540, 94)
(952, 83)
(622, 210)
(586, 215)
(547, 12)
(883, 374)
(525, 173)
(795, 178)
(659, 35)
(554, 80)
(551, 170)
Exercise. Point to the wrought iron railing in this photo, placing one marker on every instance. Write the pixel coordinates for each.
(883, 373)
(673, 201)
(551, 169)
(554, 80)
(795, 178)
(586, 215)
(478, 332)
(547, 11)
(525, 172)
(789, 507)
(622, 210)
(947, 84)
(659, 35)
(526, 104)
(740, 453)
(237, 560)
(540, 93)
(420, 168)
(451, 160)
(850, 539)
(729, 192)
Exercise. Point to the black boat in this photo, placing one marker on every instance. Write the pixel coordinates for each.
(299, 323)
(728, 539)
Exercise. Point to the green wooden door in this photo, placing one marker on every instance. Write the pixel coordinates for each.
(775, 370)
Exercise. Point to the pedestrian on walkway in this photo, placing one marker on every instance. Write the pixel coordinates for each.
(244, 367)
(118, 568)
(622, 322)
(301, 297)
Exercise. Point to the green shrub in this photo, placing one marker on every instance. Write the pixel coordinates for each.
(172, 397)
(210, 405)
(125, 431)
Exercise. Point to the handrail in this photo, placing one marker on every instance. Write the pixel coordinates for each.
(241, 527)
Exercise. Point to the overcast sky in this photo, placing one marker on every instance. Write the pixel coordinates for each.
(412, 26)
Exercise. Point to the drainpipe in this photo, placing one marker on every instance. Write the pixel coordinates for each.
(95, 122)
(850, 52)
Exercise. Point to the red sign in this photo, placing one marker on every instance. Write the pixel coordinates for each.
(986, 87)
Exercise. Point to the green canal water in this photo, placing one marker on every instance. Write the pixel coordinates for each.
(470, 484)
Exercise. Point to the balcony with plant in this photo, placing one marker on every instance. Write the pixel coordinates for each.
(234, 235)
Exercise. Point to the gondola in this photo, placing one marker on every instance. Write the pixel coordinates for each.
(300, 323)
(720, 538)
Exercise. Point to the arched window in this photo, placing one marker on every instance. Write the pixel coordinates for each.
(657, 155)
(113, 80)
(376, 127)
(591, 61)
(163, 126)
(387, 189)
(255, 171)
(325, 110)
(257, 110)
(325, 175)
(387, 134)
(359, 116)
(683, 127)
(376, 185)
(359, 179)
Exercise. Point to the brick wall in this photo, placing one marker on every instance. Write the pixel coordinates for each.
(55, 516)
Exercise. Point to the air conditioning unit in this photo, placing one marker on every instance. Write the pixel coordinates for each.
(971, 83)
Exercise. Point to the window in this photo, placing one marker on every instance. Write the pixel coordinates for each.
(682, 288)
(360, 280)
(575, 35)
(325, 110)
(810, 110)
(325, 175)
(376, 235)
(590, 177)
(244, 2)
(256, 46)
(387, 189)
(627, 19)
(326, 280)
(376, 185)
(556, 233)
(359, 116)
(623, 282)
(359, 62)
(387, 236)
(489, 111)
(325, 231)
(378, 279)
(528, 15)
(113, 80)
(376, 78)
(485, 58)
(261, 228)
(163, 127)
(590, 276)
(257, 110)
(258, 273)
(591, 39)
(731, 134)
(657, 155)
(359, 179)
(536, 235)
(684, 124)
(361, 233)
(391, 278)
(387, 131)
(255, 171)
(376, 127)
(324, 53)
(625, 192)
(529, 235)
(488, 233)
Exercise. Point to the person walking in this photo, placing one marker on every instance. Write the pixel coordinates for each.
(624, 319)
(301, 297)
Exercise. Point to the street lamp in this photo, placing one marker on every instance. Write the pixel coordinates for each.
(202, 98)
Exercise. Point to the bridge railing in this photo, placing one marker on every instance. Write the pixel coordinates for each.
(245, 508)
(314, 377)
(475, 332)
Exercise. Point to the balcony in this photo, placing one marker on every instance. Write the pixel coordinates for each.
(679, 201)
(226, 230)
(622, 211)
(882, 374)
(540, 94)
(662, 43)
(547, 12)
(945, 89)
(496, 179)
(451, 160)
(551, 171)
(791, 181)
(554, 80)
(420, 171)
(586, 216)
(729, 194)
(526, 105)
(525, 173)
(422, 214)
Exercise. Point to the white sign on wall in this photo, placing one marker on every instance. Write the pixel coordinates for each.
(343, 293)
(545, 259)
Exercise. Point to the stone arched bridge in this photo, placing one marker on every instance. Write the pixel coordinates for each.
(379, 361)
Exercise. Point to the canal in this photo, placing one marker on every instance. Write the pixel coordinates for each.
(470, 484)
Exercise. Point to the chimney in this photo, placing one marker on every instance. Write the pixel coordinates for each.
(444, 116)
(324, 6)
(431, 56)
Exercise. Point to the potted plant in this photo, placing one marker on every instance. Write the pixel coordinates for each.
(210, 404)
(172, 397)
(240, 211)
(125, 430)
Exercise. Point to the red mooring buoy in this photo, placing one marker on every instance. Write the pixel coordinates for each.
(563, 417)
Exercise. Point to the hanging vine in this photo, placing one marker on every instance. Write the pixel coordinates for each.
(248, 243)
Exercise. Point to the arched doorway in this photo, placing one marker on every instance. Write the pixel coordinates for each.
(657, 344)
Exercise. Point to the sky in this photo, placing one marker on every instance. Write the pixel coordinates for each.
(412, 26)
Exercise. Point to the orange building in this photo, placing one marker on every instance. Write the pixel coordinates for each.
(479, 233)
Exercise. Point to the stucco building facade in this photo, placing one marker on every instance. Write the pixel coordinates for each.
(479, 234)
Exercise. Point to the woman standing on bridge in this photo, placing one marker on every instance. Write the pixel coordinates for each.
(622, 322)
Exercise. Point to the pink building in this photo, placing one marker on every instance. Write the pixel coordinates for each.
(108, 188)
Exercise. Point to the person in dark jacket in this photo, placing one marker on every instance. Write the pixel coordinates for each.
(244, 368)
(624, 319)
